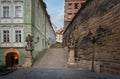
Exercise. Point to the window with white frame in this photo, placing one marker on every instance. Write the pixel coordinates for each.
(5, 11)
(6, 36)
(18, 11)
(18, 36)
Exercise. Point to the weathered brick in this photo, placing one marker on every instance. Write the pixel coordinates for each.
(95, 14)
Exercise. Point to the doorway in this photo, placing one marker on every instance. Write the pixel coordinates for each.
(12, 59)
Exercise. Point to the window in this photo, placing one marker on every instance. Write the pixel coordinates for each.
(18, 36)
(38, 3)
(43, 42)
(18, 11)
(6, 36)
(75, 13)
(69, 15)
(69, 5)
(76, 6)
(6, 11)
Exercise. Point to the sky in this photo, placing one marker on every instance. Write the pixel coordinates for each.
(55, 9)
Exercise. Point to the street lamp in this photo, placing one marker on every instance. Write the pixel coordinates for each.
(37, 40)
(94, 38)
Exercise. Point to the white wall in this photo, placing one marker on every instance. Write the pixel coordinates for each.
(59, 38)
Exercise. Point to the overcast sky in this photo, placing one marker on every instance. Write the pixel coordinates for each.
(55, 9)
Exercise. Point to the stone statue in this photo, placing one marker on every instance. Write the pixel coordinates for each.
(29, 40)
(71, 59)
(71, 41)
(29, 48)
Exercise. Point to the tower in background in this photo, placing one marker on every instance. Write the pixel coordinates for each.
(71, 8)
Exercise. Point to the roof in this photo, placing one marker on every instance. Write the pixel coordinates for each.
(60, 31)
(44, 6)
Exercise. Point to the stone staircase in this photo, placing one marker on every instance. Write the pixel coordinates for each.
(51, 58)
(56, 45)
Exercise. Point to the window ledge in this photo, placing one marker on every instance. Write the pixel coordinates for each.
(5, 1)
(5, 17)
(18, 42)
(17, 17)
(18, 1)
(5, 42)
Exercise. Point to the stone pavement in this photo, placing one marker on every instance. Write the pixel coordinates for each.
(53, 58)
(53, 65)
(37, 73)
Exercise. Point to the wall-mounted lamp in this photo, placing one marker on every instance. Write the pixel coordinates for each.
(37, 40)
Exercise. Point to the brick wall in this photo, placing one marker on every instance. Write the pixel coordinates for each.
(71, 10)
(96, 14)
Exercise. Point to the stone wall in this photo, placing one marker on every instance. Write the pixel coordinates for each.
(99, 19)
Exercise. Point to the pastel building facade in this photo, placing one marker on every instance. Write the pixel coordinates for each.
(18, 18)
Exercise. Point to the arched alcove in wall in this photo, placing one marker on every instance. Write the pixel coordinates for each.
(12, 57)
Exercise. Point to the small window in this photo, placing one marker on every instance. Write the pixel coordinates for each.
(69, 15)
(6, 36)
(18, 36)
(38, 3)
(43, 42)
(75, 13)
(18, 11)
(76, 6)
(69, 5)
(5, 11)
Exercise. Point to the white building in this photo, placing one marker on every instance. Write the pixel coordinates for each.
(59, 35)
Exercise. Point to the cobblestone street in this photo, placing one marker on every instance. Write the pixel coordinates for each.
(37, 73)
(52, 65)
